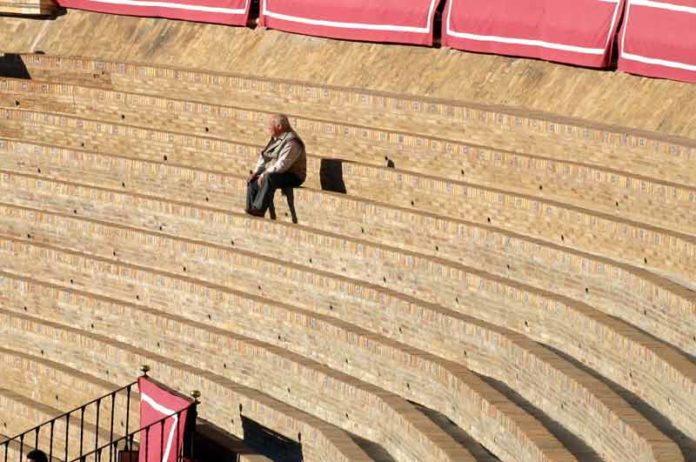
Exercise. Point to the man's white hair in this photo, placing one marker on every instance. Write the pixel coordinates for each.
(281, 120)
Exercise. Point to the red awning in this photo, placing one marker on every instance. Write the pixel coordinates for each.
(367, 20)
(569, 31)
(658, 39)
(230, 12)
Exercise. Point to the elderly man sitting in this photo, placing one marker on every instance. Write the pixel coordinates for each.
(281, 164)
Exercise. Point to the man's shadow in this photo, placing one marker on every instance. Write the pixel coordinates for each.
(331, 179)
(11, 65)
(331, 176)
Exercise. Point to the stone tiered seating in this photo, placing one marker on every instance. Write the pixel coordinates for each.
(336, 393)
(209, 189)
(117, 202)
(661, 250)
(24, 413)
(30, 381)
(185, 263)
(480, 166)
(66, 345)
(491, 127)
(507, 414)
(671, 252)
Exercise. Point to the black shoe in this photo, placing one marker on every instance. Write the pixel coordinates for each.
(255, 212)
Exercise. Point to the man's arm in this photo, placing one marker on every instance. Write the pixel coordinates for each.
(290, 153)
(260, 165)
(258, 169)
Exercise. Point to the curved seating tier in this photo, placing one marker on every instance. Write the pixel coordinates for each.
(66, 345)
(189, 333)
(671, 322)
(603, 189)
(669, 252)
(35, 382)
(495, 126)
(184, 258)
(27, 413)
(523, 275)
(188, 181)
(46, 381)
(90, 175)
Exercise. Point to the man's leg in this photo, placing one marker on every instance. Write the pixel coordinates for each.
(272, 182)
(252, 192)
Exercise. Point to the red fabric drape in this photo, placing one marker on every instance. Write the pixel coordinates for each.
(658, 39)
(230, 12)
(156, 403)
(366, 20)
(569, 31)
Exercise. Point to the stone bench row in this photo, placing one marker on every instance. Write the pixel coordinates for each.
(509, 128)
(64, 389)
(381, 417)
(605, 189)
(113, 360)
(319, 338)
(669, 252)
(636, 296)
(216, 273)
(20, 412)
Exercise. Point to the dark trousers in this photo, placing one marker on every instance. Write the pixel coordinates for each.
(261, 198)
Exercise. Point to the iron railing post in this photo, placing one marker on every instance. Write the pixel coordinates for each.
(50, 444)
(67, 435)
(178, 434)
(128, 403)
(193, 413)
(111, 429)
(82, 428)
(96, 426)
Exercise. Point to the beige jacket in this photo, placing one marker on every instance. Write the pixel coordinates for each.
(283, 154)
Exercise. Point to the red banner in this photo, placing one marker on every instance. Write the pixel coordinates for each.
(367, 20)
(230, 12)
(163, 441)
(658, 39)
(578, 32)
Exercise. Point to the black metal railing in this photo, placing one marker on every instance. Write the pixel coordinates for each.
(127, 448)
(34, 435)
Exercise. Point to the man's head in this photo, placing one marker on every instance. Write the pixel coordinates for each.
(37, 456)
(278, 124)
